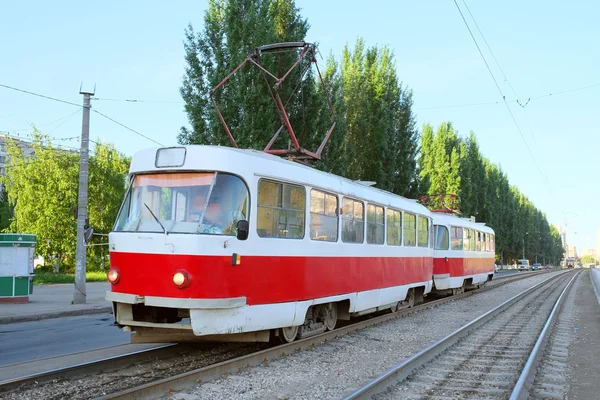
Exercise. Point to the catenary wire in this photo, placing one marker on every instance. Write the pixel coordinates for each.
(505, 102)
(79, 105)
(39, 95)
(138, 100)
(126, 127)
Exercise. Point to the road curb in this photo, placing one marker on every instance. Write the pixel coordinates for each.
(68, 313)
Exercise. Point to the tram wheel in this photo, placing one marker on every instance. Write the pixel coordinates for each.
(410, 298)
(288, 335)
(458, 290)
(330, 317)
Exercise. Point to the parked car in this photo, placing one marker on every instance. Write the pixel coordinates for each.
(536, 266)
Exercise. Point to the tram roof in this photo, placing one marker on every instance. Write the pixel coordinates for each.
(246, 162)
(448, 219)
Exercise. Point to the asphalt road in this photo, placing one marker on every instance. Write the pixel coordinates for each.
(27, 341)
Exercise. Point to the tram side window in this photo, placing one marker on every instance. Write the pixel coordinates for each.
(423, 231)
(394, 227)
(323, 216)
(493, 242)
(472, 239)
(486, 238)
(409, 229)
(375, 224)
(280, 210)
(441, 237)
(353, 221)
(466, 239)
(456, 238)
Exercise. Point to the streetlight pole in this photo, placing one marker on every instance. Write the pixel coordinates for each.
(79, 294)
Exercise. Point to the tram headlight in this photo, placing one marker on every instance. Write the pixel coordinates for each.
(181, 279)
(113, 276)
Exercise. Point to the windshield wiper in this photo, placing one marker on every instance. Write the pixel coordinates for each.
(157, 220)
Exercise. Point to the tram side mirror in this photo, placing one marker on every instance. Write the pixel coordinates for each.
(242, 229)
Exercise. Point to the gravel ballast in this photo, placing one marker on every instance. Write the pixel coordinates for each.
(336, 368)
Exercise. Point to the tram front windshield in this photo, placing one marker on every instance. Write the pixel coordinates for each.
(190, 202)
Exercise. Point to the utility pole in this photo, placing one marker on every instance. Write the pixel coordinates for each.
(79, 294)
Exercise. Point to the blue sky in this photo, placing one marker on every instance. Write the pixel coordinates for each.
(134, 50)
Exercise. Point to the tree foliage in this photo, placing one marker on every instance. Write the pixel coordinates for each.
(42, 190)
(453, 165)
(375, 138)
(587, 259)
(232, 30)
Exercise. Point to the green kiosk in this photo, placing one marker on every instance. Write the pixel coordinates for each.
(16, 267)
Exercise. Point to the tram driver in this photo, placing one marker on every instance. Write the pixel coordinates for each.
(213, 221)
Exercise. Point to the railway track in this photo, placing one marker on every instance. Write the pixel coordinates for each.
(492, 357)
(160, 386)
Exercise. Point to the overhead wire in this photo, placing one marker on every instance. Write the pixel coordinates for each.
(45, 124)
(504, 100)
(65, 121)
(81, 107)
(39, 95)
(126, 127)
(512, 101)
(138, 100)
(508, 82)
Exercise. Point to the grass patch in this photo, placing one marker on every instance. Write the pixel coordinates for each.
(42, 278)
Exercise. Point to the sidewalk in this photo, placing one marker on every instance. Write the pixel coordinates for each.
(53, 301)
(584, 350)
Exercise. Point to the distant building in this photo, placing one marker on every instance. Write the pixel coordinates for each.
(562, 231)
(25, 147)
(572, 251)
(588, 252)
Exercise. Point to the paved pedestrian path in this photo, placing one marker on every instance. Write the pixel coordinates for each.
(584, 350)
(52, 301)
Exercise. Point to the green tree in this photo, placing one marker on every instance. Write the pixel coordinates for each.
(108, 169)
(441, 162)
(452, 165)
(43, 191)
(42, 188)
(6, 210)
(587, 259)
(232, 30)
(380, 135)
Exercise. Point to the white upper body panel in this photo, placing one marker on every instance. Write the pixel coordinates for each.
(251, 166)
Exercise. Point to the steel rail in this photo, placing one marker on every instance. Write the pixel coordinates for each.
(402, 370)
(163, 386)
(85, 367)
(118, 360)
(525, 381)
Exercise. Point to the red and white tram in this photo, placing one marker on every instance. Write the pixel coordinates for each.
(464, 253)
(218, 243)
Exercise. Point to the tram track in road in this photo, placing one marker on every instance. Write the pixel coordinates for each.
(493, 357)
(223, 361)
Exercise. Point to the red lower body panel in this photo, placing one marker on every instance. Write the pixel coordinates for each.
(462, 266)
(263, 279)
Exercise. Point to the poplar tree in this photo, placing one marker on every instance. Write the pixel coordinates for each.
(232, 30)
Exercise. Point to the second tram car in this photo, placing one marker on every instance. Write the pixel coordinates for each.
(464, 253)
(218, 243)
